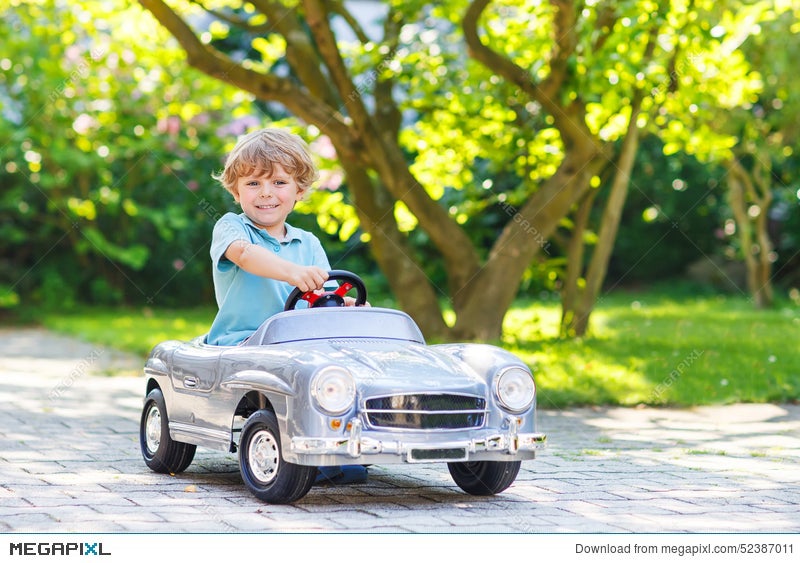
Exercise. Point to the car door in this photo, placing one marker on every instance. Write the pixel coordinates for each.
(194, 376)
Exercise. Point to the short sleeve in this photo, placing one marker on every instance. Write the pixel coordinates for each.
(227, 230)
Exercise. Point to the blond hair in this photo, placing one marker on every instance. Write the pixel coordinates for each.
(259, 151)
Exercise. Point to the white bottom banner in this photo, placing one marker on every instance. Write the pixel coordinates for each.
(391, 548)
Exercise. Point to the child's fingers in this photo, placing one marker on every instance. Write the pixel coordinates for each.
(311, 278)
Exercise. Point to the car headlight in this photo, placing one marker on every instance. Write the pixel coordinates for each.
(514, 388)
(333, 390)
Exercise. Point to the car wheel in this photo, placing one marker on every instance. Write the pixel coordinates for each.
(261, 463)
(161, 453)
(483, 478)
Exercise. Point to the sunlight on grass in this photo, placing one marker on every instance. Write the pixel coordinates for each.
(655, 350)
(133, 330)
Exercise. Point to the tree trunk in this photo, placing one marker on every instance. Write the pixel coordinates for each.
(576, 312)
(451, 241)
(574, 282)
(609, 226)
(746, 193)
(492, 290)
(762, 194)
(390, 248)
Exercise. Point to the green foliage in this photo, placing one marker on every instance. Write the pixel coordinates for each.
(755, 123)
(756, 43)
(474, 133)
(674, 216)
(108, 143)
(8, 298)
(482, 147)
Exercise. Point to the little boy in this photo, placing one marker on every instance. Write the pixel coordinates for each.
(257, 257)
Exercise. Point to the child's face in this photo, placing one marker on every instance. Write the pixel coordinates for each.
(268, 200)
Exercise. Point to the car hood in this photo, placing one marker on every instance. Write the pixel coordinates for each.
(385, 367)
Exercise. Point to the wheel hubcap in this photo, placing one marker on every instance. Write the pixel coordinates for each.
(263, 456)
(152, 429)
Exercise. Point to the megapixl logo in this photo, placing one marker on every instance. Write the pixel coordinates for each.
(57, 548)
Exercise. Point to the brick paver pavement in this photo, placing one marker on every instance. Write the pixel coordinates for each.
(70, 462)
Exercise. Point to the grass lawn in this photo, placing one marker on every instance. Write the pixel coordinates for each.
(653, 349)
(132, 330)
(645, 348)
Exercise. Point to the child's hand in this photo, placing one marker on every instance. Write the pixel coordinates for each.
(351, 302)
(307, 278)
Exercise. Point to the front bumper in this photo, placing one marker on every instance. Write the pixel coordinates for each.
(357, 447)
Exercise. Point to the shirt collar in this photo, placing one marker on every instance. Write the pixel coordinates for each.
(292, 233)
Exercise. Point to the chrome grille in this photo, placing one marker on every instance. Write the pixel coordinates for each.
(426, 412)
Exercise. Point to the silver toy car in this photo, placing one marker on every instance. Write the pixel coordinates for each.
(332, 385)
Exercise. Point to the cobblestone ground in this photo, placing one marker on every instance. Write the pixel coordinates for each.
(70, 462)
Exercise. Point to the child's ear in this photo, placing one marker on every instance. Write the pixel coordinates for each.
(301, 193)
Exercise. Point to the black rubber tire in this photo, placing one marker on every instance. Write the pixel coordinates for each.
(161, 453)
(483, 478)
(261, 463)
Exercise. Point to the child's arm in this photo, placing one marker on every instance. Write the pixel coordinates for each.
(261, 262)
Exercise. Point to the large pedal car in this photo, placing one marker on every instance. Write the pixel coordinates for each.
(331, 385)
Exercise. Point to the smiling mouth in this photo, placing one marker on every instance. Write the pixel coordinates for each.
(266, 206)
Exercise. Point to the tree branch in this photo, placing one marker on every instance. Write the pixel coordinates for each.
(317, 18)
(338, 7)
(606, 18)
(264, 86)
(301, 52)
(565, 41)
(546, 93)
(387, 115)
(241, 23)
(497, 62)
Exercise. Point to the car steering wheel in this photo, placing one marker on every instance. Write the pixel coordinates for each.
(330, 298)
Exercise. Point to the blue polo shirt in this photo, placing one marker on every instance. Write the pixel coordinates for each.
(244, 299)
